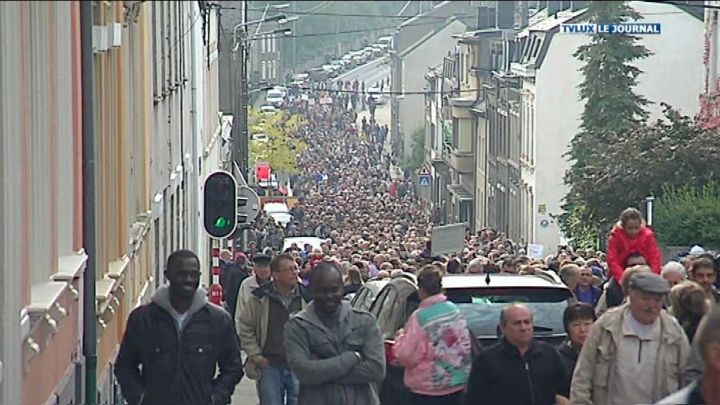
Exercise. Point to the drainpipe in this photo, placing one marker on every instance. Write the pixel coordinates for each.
(88, 173)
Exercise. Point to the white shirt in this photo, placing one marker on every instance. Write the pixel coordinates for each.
(635, 365)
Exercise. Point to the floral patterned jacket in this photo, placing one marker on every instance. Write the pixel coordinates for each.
(435, 348)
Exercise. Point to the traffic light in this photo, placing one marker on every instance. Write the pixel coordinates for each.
(220, 210)
(242, 217)
(248, 204)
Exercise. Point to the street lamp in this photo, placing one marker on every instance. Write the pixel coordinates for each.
(649, 209)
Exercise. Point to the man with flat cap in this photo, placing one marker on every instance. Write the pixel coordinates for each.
(260, 276)
(635, 353)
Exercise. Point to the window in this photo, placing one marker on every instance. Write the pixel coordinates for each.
(163, 46)
(537, 48)
(263, 70)
(156, 88)
(262, 44)
(171, 242)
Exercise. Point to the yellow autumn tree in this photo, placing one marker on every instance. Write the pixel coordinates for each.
(279, 146)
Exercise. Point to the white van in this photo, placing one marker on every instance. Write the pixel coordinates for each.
(388, 41)
(275, 97)
(279, 212)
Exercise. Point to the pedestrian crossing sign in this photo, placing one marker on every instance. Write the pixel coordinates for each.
(424, 180)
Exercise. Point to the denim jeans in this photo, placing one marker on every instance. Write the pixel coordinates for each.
(278, 386)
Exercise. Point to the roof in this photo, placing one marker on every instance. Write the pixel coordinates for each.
(550, 23)
(500, 280)
(429, 35)
(417, 17)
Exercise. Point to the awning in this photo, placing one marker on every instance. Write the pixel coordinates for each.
(460, 192)
(479, 107)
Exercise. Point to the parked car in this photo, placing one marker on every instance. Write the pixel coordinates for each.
(383, 47)
(480, 297)
(275, 97)
(365, 296)
(348, 58)
(268, 110)
(299, 80)
(331, 70)
(376, 50)
(278, 212)
(317, 74)
(378, 95)
(282, 89)
(388, 41)
(339, 65)
(300, 241)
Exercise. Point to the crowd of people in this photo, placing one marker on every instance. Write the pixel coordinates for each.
(637, 331)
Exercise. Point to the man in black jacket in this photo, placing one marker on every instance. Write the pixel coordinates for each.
(172, 345)
(517, 370)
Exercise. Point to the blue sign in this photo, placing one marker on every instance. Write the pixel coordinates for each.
(424, 180)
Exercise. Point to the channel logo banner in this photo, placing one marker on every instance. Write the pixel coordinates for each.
(612, 29)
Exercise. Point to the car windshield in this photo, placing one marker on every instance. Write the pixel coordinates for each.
(481, 307)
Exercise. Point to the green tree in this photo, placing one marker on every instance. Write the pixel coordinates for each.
(687, 215)
(279, 147)
(416, 158)
(611, 109)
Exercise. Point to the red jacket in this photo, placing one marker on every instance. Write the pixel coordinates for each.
(621, 245)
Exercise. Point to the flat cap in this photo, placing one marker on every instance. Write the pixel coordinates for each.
(261, 259)
(649, 283)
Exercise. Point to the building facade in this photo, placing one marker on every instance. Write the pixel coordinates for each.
(157, 131)
(417, 46)
(551, 107)
(709, 114)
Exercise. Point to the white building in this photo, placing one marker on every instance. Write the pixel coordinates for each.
(551, 107)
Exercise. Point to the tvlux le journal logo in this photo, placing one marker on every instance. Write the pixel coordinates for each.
(611, 29)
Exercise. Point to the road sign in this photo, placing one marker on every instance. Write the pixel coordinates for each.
(424, 171)
(424, 180)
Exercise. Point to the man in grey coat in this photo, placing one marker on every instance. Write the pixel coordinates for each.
(335, 351)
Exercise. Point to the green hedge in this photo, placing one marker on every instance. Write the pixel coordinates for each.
(687, 215)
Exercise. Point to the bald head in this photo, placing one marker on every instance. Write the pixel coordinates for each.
(513, 310)
(516, 325)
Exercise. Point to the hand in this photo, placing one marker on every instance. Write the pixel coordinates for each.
(264, 362)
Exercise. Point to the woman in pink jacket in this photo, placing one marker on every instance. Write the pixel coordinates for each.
(434, 346)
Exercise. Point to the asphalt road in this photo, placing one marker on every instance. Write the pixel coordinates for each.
(371, 72)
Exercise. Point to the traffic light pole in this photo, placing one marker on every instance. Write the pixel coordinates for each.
(240, 137)
(215, 291)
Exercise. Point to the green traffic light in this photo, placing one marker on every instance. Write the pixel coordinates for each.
(221, 222)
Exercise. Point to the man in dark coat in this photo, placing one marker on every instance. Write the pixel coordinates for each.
(518, 370)
(173, 345)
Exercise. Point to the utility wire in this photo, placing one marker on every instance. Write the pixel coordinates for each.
(396, 17)
(386, 27)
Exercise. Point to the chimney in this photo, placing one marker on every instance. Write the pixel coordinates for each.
(484, 21)
(521, 14)
(553, 6)
(505, 17)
